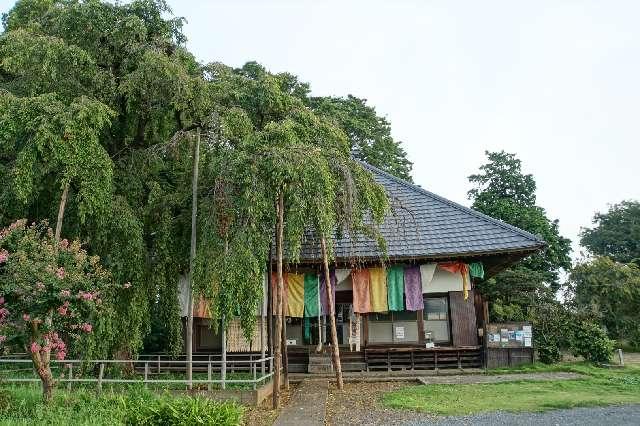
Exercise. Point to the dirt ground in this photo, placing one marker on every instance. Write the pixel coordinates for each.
(359, 403)
(264, 415)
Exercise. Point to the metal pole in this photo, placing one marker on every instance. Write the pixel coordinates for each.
(192, 256)
(146, 373)
(209, 375)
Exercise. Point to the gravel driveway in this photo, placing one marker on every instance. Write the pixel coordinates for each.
(618, 415)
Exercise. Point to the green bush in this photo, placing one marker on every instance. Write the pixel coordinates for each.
(180, 411)
(591, 342)
(551, 326)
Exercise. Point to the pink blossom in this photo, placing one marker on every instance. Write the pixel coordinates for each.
(127, 285)
(4, 255)
(65, 293)
(64, 243)
(62, 310)
(86, 296)
(4, 312)
(26, 317)
(1, 300)
(60, 356)
(35, 347)
(86, 327)
(60, 272)
(3, 338)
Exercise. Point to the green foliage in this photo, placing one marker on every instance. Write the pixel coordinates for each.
(186, 411)
(609, 291)
(552, 325)
(135, 406)
(616, 233)
(591, 342)
(69, 71)
(369, 134)
(502, 191)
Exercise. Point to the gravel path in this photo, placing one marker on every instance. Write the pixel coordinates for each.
(618, 415)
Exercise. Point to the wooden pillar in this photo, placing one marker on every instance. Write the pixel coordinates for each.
(420, 320)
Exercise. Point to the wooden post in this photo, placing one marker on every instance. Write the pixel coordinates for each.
(209, 375)
(192, 257)
(332, 314)
(63, 203)
(277, 340)
(100, 376)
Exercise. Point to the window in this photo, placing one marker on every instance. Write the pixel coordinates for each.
(436, 318)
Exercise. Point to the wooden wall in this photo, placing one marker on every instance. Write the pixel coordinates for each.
(464, 331)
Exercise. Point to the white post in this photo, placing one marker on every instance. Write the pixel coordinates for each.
(621, 357)
(209, 375)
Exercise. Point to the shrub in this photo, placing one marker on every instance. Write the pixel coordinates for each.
(591, 342)
(180, 411)
(551, 326)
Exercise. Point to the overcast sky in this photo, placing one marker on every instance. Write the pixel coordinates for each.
(555, 82)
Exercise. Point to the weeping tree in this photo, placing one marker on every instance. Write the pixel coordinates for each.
(281, 180)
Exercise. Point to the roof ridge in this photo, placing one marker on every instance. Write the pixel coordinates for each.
(453, 204)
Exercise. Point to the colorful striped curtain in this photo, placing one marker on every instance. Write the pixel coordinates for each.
(311, 308)
(395, 288)
(361, 283)
(378, 290)
(295, 299)
(413, 288)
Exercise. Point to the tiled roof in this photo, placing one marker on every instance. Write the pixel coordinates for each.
(425, 225)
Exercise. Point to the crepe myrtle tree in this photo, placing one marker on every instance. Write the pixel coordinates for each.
(55, 299)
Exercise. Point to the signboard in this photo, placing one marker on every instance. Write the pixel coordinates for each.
(509, 335)
(400, 333)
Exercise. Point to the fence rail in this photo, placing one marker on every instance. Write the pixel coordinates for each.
(145, 365)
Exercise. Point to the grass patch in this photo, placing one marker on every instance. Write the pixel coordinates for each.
(22, 405)
(600, 387)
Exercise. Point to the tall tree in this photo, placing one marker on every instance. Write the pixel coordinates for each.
(369, 134)
(616, 233)
(501, 190)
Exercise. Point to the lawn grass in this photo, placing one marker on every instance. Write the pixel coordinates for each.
(599, 387)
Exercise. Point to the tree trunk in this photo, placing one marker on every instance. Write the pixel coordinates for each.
(43, 369)
(332, 315)
(192, 257)
(63, 203)
(277, 341)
